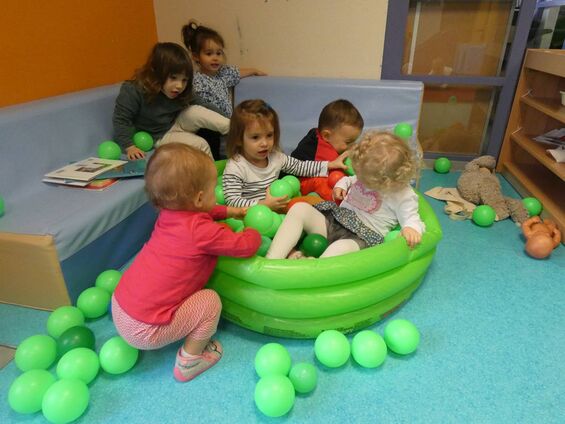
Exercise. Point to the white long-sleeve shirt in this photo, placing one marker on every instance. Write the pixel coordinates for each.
(245, 184)
(381, 212)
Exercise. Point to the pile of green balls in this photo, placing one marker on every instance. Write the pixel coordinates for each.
(275, 392)
(279, 381)
(64, 398)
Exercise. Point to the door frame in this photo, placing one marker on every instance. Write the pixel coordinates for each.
(397, 15)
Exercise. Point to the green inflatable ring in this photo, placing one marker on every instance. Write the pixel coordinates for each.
(300, 299)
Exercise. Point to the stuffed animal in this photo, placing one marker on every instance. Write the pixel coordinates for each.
(541, 237)
(478, 184)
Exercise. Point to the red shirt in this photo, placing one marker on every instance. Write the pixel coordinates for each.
(177, 261)
(324, 150)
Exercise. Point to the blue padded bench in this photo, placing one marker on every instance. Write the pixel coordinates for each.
(299, 101)
(54, 240)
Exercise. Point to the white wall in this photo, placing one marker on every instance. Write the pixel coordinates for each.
(323, 38)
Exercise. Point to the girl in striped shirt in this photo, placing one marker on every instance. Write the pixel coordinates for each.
(255, 158)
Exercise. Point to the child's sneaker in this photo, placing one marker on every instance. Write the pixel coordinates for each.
(187, 368)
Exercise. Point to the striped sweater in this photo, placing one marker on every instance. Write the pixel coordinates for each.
(245, 184)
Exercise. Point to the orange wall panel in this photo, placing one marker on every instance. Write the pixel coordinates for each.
(59, 46)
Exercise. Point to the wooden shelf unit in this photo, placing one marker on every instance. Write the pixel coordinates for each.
(537, 109)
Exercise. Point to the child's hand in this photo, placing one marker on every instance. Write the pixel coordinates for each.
(339, 193)
(412, 236)
(338, 163)
(249, 72)
(237, 213)
(134, 153)
(277, 204)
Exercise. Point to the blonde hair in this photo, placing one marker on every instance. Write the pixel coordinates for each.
(175, 174)
(383, 161)
(245, 113)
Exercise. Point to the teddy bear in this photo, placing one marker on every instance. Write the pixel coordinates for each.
(478, 184)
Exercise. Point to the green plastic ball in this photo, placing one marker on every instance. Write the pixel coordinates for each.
(143, 140)
(368, 349)
(235, 224)
(74, 337)
(403, 130)
(219, 193)
(442, 165)
(93, 302)
(272, 358)
(294, 183)
(304, 377)
(116, 356)
(349, 171)
(277, 220)
(108, 280)
(265, 244)
(401, 336)
(109, 150)
(36, 352)
(274, 395)
(65, 401)
(484, 216)
(81, 363)
(314, 245)
(2, 206)
(332, 348)
(280, 188)
(392, 235)
(62, 319)
(219, 180)
(532, 205)
(259, 217)
(26, 392)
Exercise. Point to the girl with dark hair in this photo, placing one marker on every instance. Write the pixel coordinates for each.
(214, 79)
(158, 100)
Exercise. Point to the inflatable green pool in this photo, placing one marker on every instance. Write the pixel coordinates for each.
(301, 298)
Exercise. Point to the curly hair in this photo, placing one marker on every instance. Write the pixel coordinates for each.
(244, 113)
(175, 174)
(164, 60)
(195, 36)
(383, 161)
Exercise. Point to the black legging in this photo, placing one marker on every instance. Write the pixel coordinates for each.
(214, 139)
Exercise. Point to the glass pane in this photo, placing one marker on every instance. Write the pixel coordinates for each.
(456, 119)
(548, 28)
(466, 38)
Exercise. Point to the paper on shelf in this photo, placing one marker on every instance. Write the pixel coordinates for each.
(558, 154)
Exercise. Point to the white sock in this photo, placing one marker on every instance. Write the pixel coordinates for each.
(185, 354)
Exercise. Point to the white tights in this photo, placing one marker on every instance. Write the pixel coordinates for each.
(303, 216)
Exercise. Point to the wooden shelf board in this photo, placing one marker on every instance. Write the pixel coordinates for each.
(545, 196)
(550, 107)
(538, 151)
(549, 61)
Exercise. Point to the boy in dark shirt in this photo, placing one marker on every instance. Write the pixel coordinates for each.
(339, 125)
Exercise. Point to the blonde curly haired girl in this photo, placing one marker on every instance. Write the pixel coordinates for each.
(373, 201)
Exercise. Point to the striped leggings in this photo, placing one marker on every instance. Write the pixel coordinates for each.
(196, 317)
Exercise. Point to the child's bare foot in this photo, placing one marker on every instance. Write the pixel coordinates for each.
(187, 368)
(295, 254)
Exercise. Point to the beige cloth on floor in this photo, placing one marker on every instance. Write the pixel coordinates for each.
(456, 208)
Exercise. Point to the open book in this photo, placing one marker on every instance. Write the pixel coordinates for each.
(84, 170)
